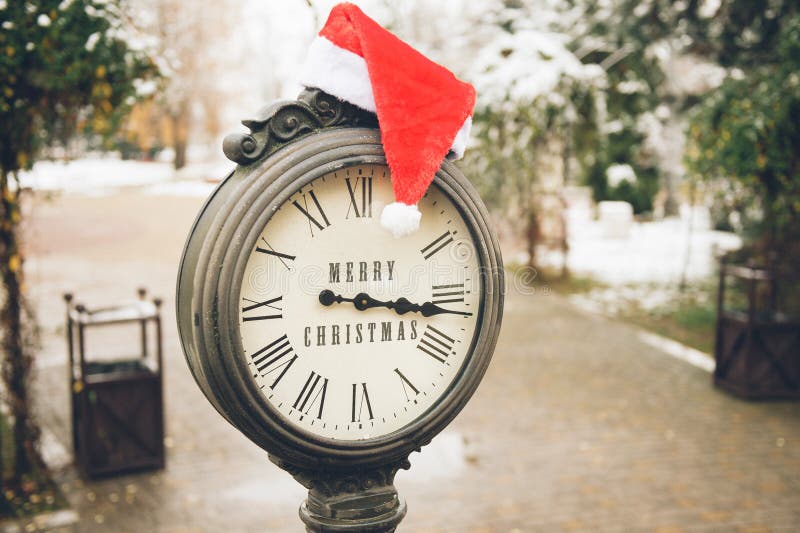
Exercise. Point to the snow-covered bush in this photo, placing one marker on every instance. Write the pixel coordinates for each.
(537, 103)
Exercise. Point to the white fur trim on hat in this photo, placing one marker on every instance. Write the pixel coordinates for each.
(460, 142)
(343, 74)
(401, 219)
(338, 72)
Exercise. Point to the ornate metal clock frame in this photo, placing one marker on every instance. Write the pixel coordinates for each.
(291, 143)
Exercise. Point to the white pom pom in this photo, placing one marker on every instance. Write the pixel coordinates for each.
(401, 219)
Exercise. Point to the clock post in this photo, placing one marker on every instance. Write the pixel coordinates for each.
(338, 341)
(355, 500)
(341, 406)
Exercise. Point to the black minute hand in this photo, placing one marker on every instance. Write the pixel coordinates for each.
(401, 306)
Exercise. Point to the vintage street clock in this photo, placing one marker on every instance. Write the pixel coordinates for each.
(332, 345)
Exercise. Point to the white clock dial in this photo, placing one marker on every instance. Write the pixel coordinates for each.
(350, 333)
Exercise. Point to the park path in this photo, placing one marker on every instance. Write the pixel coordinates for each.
(578, 426)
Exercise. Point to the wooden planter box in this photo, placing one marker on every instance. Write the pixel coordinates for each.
(117, 406)
(757, 350)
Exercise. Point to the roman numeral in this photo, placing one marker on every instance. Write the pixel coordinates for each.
(360, 402)
(364, 207)
(256, 305)
(406, 384)
(314, 390)
(436, 344)
(269, 250)
(441, 241)
(311, 220)
(445, 294)
(273, 357)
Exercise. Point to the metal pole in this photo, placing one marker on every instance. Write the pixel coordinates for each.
(71, 368)
(157, 302)
(350, 500)
(350, 504)
(143, 323)
(80, 398)
(160, 373)
(81, 346)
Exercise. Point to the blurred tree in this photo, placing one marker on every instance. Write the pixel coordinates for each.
(744, 138)
(190, 50)
(537, 106)
(636, 41)
(145, 133)
(66, 67)
(630, 39)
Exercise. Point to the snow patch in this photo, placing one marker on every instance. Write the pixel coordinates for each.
(616, 174)
(182, 189)
(91, 42)
(526, 65)
(144, 87)
(654, 252)
(94, 175)
(678, 351)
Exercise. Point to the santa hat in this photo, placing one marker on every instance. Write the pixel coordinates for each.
(423, 110)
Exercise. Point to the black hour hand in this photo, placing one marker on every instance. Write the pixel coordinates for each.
(363, 301)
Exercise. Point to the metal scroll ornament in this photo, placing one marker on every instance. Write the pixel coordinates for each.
(282, 122)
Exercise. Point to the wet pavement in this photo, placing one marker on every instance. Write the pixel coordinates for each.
(578, 425)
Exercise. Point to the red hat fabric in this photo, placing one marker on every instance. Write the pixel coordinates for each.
(423, 110)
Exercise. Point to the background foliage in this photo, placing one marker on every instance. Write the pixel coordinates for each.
(745, 137)
(67, 67)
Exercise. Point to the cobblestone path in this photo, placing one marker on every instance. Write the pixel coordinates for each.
(577, 426)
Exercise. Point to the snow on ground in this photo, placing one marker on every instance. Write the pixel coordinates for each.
(645, 266)
(644, 269)
(617, 300)
(94, 175)
(99, 176)
(653, 252)
(200, 189)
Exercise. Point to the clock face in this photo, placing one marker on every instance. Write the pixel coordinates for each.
(349, 333)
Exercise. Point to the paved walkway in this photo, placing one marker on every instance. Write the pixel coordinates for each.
(578, 425)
